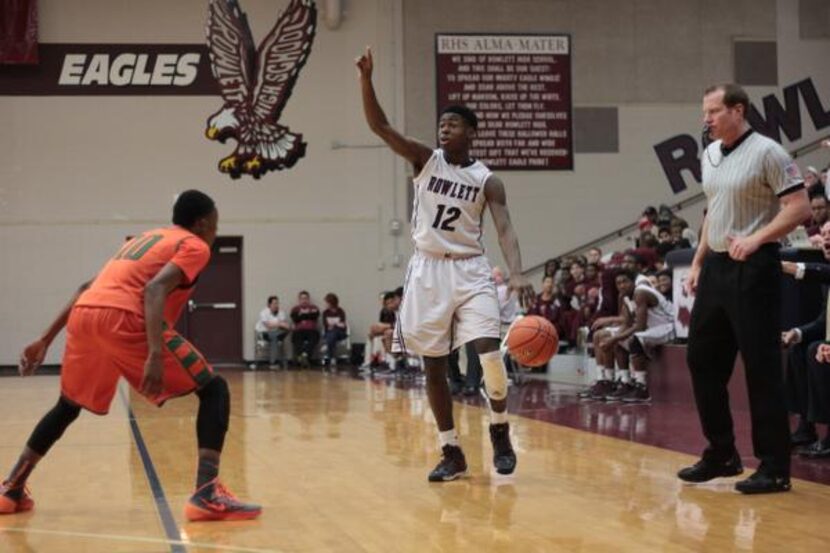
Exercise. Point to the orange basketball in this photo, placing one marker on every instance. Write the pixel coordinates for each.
(532, 341)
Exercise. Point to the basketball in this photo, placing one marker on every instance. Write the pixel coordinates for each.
(532, 341)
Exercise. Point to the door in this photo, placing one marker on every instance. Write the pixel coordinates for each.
(212, 320)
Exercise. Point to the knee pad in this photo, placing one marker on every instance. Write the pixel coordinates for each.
(52, 426)
(214, 413)
(495, 374)
(69, 410)
(217, 388)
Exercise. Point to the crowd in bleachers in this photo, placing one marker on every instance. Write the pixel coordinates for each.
(807, 376)
(578, 290)
(617, 305)
(582, 297)
(807, 379)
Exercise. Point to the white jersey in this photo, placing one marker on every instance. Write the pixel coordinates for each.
(448, 209)
(660, 323)
(266, 316)
(660, 314)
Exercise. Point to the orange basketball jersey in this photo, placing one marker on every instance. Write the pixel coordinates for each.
(121, 282)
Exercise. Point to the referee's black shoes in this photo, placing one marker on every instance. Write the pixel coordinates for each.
(763, 482)
(707, 469)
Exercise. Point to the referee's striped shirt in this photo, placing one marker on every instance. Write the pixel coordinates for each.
(743, 184)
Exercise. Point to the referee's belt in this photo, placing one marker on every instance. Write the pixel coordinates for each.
(769, 247)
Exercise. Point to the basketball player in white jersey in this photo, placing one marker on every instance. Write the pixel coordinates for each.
(652, 325)
(449, 294)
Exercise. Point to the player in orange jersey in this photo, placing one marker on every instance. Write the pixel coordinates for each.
(121, 324)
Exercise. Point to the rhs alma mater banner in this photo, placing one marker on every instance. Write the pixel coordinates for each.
(520, 88)
(18, 31)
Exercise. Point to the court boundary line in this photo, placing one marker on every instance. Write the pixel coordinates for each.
(142, 539)
(171, 529)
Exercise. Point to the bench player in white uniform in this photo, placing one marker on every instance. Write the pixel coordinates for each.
(652, 326)
(449, 294)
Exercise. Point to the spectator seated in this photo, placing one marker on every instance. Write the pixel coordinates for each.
(342, 349)
(336, 331)
(305, 316)
(378, 353)
(271, 330)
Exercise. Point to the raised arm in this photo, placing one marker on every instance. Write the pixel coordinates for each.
(509, 243)
(414, 151)
(33, 354)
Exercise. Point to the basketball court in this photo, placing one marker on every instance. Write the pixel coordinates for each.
(339, 464)
(587, 111)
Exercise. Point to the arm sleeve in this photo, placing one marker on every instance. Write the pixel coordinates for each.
(263, 317)
(814, 330)
(192, 255)
(817, 272)
(781, 171)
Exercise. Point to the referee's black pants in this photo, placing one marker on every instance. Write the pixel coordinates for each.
(738, 308)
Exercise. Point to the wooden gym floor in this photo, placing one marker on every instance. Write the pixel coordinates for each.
(340, 464)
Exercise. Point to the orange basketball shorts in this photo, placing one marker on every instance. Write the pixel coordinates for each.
(104, 343)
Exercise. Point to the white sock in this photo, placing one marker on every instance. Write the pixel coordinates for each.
(448, 437)
(639, 377)
(623, 376)
(498, 418)
(607, 374)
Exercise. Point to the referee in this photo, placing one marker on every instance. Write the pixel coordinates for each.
(755, 196)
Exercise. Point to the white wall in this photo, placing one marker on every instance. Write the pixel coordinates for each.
(77, 174)
(797, 60)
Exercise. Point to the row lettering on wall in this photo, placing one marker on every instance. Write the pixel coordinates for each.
(682, 153)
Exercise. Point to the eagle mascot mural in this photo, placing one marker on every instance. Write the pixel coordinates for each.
(256, 83)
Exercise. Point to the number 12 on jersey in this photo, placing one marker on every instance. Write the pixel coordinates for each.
(445, 217)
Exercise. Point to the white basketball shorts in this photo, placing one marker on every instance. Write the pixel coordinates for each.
(446, 303)
(652, 337)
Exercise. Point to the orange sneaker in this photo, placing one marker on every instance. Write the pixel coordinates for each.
(14, 501)
(213, 501)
